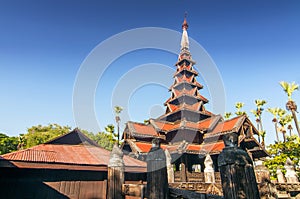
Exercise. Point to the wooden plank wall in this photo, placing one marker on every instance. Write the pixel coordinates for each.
(80, 189)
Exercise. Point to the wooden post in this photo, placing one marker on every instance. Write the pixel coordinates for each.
(183, 175)
(157, 180)
(236, 169)
(115, 174)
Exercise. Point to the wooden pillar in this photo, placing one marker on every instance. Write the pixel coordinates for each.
(183, 176)
(157, 178)
(236, 169)
(115, 174)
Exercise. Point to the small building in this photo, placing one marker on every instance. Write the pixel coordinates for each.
(70, 166)
(187, 130)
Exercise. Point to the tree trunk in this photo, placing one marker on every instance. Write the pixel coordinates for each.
(258, 131)
(276, 130)
(296, 121)
(284, 136)
(260, 122)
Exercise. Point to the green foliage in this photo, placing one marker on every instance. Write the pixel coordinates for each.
(273, 111)
(238, 107)
(285, 119)
(289, 88)
(255, 113)
(105, 140)
(118, 109)
(280, 151)
(146, 122)
(227, 115)
(8, 144)
(281, 112)
(260, 103)
(40, 134)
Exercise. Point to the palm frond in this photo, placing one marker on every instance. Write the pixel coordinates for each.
(289, 88)
(255, 113)
(118, 109)
(239, 105)
(227, 115)
(259, 103)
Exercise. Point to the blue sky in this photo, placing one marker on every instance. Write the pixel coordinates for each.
(254, 44)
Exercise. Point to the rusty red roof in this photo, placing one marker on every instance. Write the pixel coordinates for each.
(83, 155)
(67, 154)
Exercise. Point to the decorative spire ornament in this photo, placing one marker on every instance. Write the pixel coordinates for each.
(184, 38)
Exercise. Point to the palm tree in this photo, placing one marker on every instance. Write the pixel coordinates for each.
(118, 110)
(263, 135)
(259, 110)
(290, 127)
(284, 120)
(255, 113)
(227, 115)
(289, 88)
(238, 107)
(274, 112)
(280, 114)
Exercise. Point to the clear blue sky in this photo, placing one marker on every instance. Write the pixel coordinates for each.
(255, 44)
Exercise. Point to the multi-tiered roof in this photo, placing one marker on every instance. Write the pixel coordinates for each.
(186, 126)
(185, 102)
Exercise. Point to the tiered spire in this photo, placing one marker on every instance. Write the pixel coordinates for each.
(184, 38)
(185, 101)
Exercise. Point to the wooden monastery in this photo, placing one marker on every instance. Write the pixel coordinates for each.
(187, 131)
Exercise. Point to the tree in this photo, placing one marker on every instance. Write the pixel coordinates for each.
(147, 122)
(239, 106)
(40, 134)
(280, 151)
(274, 112)
(263, 135)
(283, 121)
(104, 140)
(289, 88)
(118, 110)
(227, 115)
(8, 144)
(257, 113)
(259, 109)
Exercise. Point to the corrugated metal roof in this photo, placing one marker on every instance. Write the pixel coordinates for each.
(67, 154)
